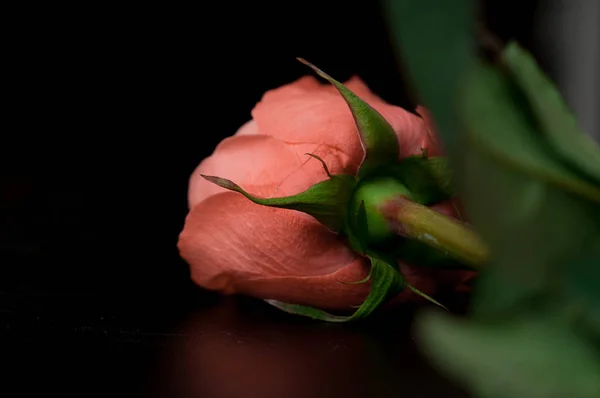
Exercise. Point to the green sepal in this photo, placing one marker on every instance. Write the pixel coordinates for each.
(326, 201)
(387, 281)
(425, 296)
(358, 232)
(377, 136)
(357, 229)
(429, 179)
(361, 281)
(553, 115)
(362, 227)
(312, 155)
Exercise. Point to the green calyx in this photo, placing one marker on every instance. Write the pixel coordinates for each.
(371, 194)
(352, 205)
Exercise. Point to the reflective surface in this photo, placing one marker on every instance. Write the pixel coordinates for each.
(205, 347)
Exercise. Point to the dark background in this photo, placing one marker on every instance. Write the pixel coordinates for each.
(109, 111)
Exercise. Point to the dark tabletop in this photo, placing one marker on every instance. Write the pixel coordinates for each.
(203, 345)
(98, 303)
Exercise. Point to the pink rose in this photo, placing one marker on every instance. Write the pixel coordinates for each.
(235, 246)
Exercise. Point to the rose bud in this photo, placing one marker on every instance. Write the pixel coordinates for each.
(316, 207)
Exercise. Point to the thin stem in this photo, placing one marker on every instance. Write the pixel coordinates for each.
(415, 221)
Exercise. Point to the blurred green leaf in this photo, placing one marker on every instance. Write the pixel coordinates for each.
(512, 184)
(520, 196)
(555, 118)
(497, 122)
(533, 358)
(521, 199)
(376, 134)
(583, 285)
(435, 45)
(520, 172)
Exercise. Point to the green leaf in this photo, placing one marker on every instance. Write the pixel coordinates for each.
(376, 134)
(519, 195)
(533, 203)
(555, 118)
(521, 199)
(582, 283)
(386, 282)
(435, 44)
(327, 201)
(498, 123)
(430, 180)
(533, 358)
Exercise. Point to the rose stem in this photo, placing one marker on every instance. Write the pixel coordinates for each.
(414, 221)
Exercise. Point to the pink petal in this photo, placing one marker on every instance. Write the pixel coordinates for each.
(309, 112)
(432, 142)
(248, 128)
(236, 246)
(264, 166)
(412, 131)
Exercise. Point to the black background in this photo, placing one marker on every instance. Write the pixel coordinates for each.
(109, 111)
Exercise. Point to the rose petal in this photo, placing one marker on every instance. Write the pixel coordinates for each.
(236, 246)
(248, 128)
(309, 112)
(249, 161)
(264, 166)
(447, 208)
(432, 142)
(413, 132)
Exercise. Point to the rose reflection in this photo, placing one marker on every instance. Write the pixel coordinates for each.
(227, 354)
(231, 351)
